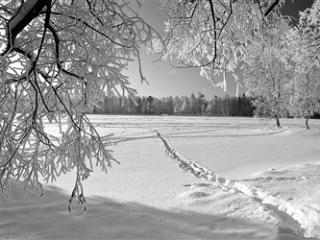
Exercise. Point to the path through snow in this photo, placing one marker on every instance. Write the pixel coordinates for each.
(298, 218)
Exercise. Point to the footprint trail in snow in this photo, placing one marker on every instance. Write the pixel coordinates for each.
(301, 220)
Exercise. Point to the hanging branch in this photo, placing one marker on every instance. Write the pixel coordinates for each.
(59, 61)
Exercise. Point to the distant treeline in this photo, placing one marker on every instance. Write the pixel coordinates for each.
(188, 105)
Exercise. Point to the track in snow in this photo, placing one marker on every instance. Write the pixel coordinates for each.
(297, 219)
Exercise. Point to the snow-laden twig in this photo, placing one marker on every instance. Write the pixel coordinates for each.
(308, 218)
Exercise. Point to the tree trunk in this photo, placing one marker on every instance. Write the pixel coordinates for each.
(278, 122)
(307, 123)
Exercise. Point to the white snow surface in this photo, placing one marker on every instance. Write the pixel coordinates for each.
(307, 217)
(268, 186)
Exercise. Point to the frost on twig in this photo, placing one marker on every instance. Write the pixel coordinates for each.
(58, 61)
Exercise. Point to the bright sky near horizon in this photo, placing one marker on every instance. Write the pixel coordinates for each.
(165, 81)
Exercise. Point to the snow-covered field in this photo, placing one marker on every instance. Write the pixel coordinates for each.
(269, 184)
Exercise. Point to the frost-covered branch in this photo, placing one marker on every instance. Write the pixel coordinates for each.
(303, 49)
(213, 35)
(58, 61)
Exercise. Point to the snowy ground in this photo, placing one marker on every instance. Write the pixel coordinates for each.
(149, 196)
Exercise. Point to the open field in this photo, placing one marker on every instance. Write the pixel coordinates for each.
(149, 196)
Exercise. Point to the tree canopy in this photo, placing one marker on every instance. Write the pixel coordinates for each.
(213, 35)
(58, 60)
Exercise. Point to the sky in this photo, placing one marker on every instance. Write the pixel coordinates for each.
(165, 81)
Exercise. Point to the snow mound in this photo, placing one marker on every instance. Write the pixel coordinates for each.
(214, 200)
(297, 186)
